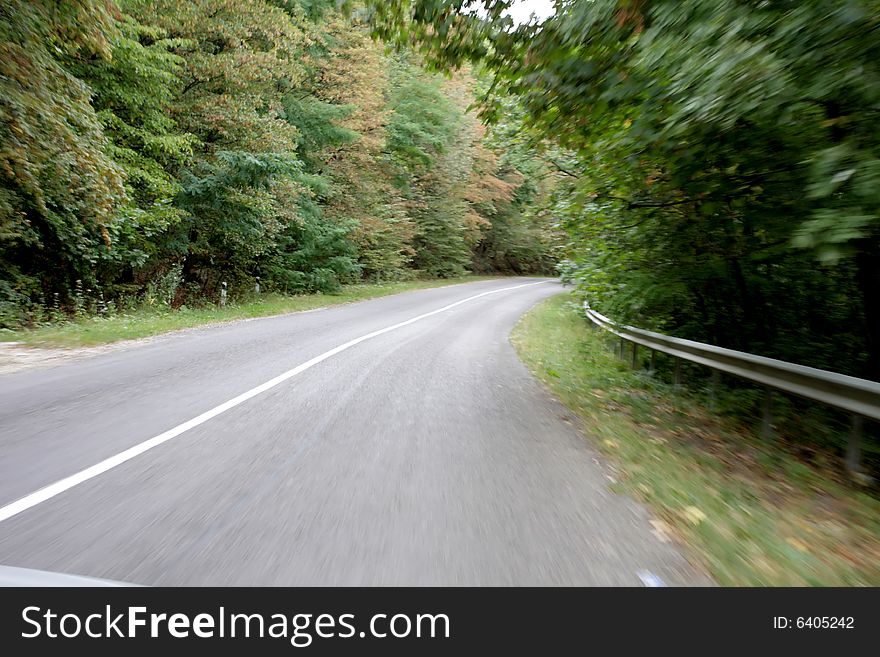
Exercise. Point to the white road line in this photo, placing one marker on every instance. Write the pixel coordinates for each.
(50, 491)
(650, 580)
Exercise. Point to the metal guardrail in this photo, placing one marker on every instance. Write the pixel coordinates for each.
(858, 396)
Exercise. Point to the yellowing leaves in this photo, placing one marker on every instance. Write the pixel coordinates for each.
(693, 515)
(796, 544)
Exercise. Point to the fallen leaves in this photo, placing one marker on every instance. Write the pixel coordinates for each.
(662, 531)
(693, 515)
(796, 544)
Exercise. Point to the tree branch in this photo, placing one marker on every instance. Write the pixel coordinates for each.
(632, 205)
(562, 169)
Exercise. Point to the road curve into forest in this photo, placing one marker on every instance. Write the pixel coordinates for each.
(397, 441)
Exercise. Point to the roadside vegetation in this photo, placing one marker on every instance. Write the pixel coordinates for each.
(716, 166)
(152, 319)
(753, 512)
(159, 149)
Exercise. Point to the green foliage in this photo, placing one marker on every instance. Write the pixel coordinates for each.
(708, 154)
(316, 122)
(153, 149)
(313, 255)
(520, 237)
(59, 189)
(439, 242)
(422, 132)
(422, 120)
(231, 213)
(713, 164)
(132, 92)
(350, 77)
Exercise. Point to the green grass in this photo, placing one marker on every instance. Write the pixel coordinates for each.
(750, 512)
(146, 321)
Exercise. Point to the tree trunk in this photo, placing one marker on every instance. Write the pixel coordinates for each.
(868, 278)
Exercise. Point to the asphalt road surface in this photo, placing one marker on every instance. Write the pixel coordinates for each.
(397, 441)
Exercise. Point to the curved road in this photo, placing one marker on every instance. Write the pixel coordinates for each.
(397, 441)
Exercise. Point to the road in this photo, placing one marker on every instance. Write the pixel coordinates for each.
(397, 441)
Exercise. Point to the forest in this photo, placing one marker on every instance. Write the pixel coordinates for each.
(707, 169)
(151, 150)
(719, 160)
(716, 167)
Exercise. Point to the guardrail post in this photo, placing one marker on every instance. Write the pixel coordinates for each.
(676, 374)
(653, 367)
(622, 348)
(714, 380)
(854, 446)
(635, 356)
(767, 415)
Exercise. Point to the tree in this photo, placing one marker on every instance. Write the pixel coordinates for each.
(59, 189)
(132, 92)
(161, 144)
(427, 150)
(704, 148)
(354, 74)
(243, 59)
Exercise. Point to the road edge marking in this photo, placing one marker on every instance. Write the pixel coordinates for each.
(48, 492)
(650, 580)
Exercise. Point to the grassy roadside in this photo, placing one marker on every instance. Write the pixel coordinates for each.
(752, 514)
(145, 321)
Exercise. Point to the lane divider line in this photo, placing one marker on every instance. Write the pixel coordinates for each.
(50, 491)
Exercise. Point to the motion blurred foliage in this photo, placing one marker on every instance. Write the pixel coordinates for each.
(718, 162)
(715, 166)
